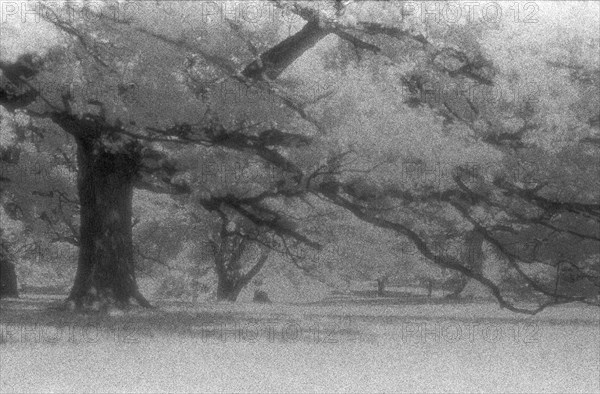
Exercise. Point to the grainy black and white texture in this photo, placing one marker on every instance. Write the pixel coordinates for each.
(291, 196)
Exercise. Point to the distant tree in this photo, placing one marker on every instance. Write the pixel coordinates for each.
(232, 250)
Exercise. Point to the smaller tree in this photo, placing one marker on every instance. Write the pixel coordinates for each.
(231, 245)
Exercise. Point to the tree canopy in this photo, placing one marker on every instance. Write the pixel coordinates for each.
(434, 131)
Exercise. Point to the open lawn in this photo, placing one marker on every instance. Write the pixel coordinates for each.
(337, 346)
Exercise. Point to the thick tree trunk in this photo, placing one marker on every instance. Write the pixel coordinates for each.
(473, 257)
(228, 268)
(231, 280)
(278, 58)
(105, 271)
(228, 290)
(8, 275)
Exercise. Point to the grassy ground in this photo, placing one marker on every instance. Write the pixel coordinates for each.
(342, 345)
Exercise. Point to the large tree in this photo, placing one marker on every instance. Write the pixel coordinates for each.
(91, 91)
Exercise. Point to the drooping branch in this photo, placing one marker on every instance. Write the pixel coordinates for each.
(465, 197)
(531, 196)
(541, 220)
(259, 215)
(512, 259)
(262, 145)
(440, 260)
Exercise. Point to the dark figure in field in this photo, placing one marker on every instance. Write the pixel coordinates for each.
(261, 296)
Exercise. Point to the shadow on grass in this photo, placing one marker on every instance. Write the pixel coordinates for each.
(389, 297)
(328, 322)
(34, 317)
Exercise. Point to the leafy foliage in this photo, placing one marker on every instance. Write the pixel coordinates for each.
(391, 122)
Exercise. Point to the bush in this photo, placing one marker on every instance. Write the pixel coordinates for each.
(261, 296)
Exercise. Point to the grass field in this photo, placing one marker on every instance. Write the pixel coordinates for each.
(342, 345)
